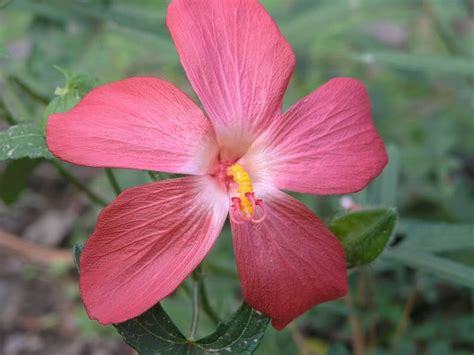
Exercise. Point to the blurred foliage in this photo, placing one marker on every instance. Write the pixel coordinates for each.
(416, 58)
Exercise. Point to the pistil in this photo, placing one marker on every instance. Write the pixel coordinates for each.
(243, 208)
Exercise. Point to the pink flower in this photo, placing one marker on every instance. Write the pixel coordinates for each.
(240, 155)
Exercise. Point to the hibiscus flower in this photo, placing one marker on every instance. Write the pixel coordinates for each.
(240, 154)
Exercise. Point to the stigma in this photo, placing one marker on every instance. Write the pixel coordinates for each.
(244, 207)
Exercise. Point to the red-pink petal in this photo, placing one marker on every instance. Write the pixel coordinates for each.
(139, 123)
(146, 243)
(326, 143)
(237, 61)
(289, 262)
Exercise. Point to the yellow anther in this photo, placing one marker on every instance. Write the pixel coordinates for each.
(242, 178)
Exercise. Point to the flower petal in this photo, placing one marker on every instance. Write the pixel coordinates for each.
(325, 144)
(146, 243)
(237, 61)
(289, 262)
(138, 123)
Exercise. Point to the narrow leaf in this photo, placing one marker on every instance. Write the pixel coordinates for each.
(420, 62)
(436, 237)
(15, 177)
(438, 266)
(383, 191)
(24, 140)
(86, 12)
(364, 234)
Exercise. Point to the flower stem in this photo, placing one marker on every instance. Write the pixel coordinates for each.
(200, 298)
(113, 181)
(206, 306)
(195, 318)
(203, 298)
(73, 180)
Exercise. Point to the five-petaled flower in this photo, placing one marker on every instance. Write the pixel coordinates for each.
(240, 155)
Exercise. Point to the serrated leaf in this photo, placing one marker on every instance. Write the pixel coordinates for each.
(364, 234)
(441, 267)
(420, 62)
(25, 140)
(240, 335)
(15, 177)
(155, 333)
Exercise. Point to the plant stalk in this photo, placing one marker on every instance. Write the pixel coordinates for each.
(206, 306)
(113, 181)
(195, 318)
(73, 180)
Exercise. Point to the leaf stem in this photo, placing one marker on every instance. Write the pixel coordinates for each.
(113, 181)
(73, 180)
(195, 318)
(200, 298)
(206, 306)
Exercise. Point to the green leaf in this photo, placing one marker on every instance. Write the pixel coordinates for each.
(364, 234)
(25, 140)
(383, 191)
(76, 254)
(240, 335)
(146, 22)
(327, 14)
(423, 239)
(436, 237)
(438, 266)
(15, 177)
(155, 333)
(420, 62)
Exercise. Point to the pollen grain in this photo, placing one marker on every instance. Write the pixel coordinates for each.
(243, 180)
